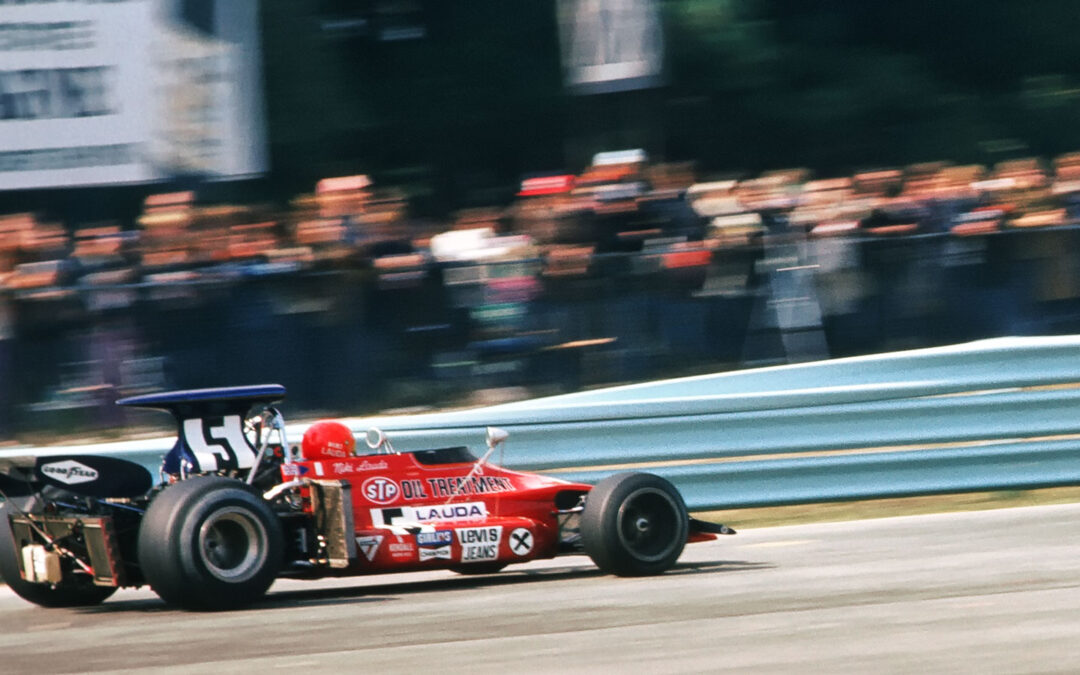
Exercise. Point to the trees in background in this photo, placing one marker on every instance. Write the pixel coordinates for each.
(457, 98)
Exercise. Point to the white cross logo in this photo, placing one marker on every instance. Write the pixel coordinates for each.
(521, 541)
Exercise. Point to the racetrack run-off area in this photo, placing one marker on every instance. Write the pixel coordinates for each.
(985, 591)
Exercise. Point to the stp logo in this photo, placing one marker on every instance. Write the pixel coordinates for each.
(380, 490)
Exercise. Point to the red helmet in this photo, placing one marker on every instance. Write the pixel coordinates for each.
(328, 440)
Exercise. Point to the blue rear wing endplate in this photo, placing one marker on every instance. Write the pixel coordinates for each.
(211, 425)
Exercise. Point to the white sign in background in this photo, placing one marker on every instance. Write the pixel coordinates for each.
(74, 112)
(101, 92)
(611, 45)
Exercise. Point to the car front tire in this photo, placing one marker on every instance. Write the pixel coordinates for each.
(634, 524)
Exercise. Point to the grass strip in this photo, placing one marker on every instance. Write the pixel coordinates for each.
(773, 516)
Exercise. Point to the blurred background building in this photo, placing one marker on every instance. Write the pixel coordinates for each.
(388, 203)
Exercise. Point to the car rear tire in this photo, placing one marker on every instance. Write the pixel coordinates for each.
(210, 543)
(75, 591)
(634, 524)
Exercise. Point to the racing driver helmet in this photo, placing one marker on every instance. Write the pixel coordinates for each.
(328, 440)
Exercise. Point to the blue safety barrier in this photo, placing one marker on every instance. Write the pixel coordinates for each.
(995, 414)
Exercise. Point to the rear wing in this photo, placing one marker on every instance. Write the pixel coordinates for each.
(210, 424)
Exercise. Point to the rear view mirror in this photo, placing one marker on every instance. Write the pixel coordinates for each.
(496, 435)
(375, 438)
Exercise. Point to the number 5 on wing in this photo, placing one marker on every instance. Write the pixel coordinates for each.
(222, 446)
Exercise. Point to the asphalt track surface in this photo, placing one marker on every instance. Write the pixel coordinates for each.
(982, 592)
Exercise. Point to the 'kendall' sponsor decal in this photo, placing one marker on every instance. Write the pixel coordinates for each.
(402, 549)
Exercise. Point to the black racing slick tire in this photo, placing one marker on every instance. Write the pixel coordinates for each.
(634, 524)
(210, 543)
(78, 591)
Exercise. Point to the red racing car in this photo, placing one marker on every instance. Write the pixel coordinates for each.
(237, 506)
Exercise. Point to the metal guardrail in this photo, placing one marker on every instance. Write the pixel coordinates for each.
(995, 414)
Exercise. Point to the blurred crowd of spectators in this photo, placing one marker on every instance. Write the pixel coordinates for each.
(619, 204)
(620, 226)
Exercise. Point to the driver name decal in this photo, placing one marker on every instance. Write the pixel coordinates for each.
(479, 543)
(467, 511)
(357, 467)
(70, 472)
(406, 515)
